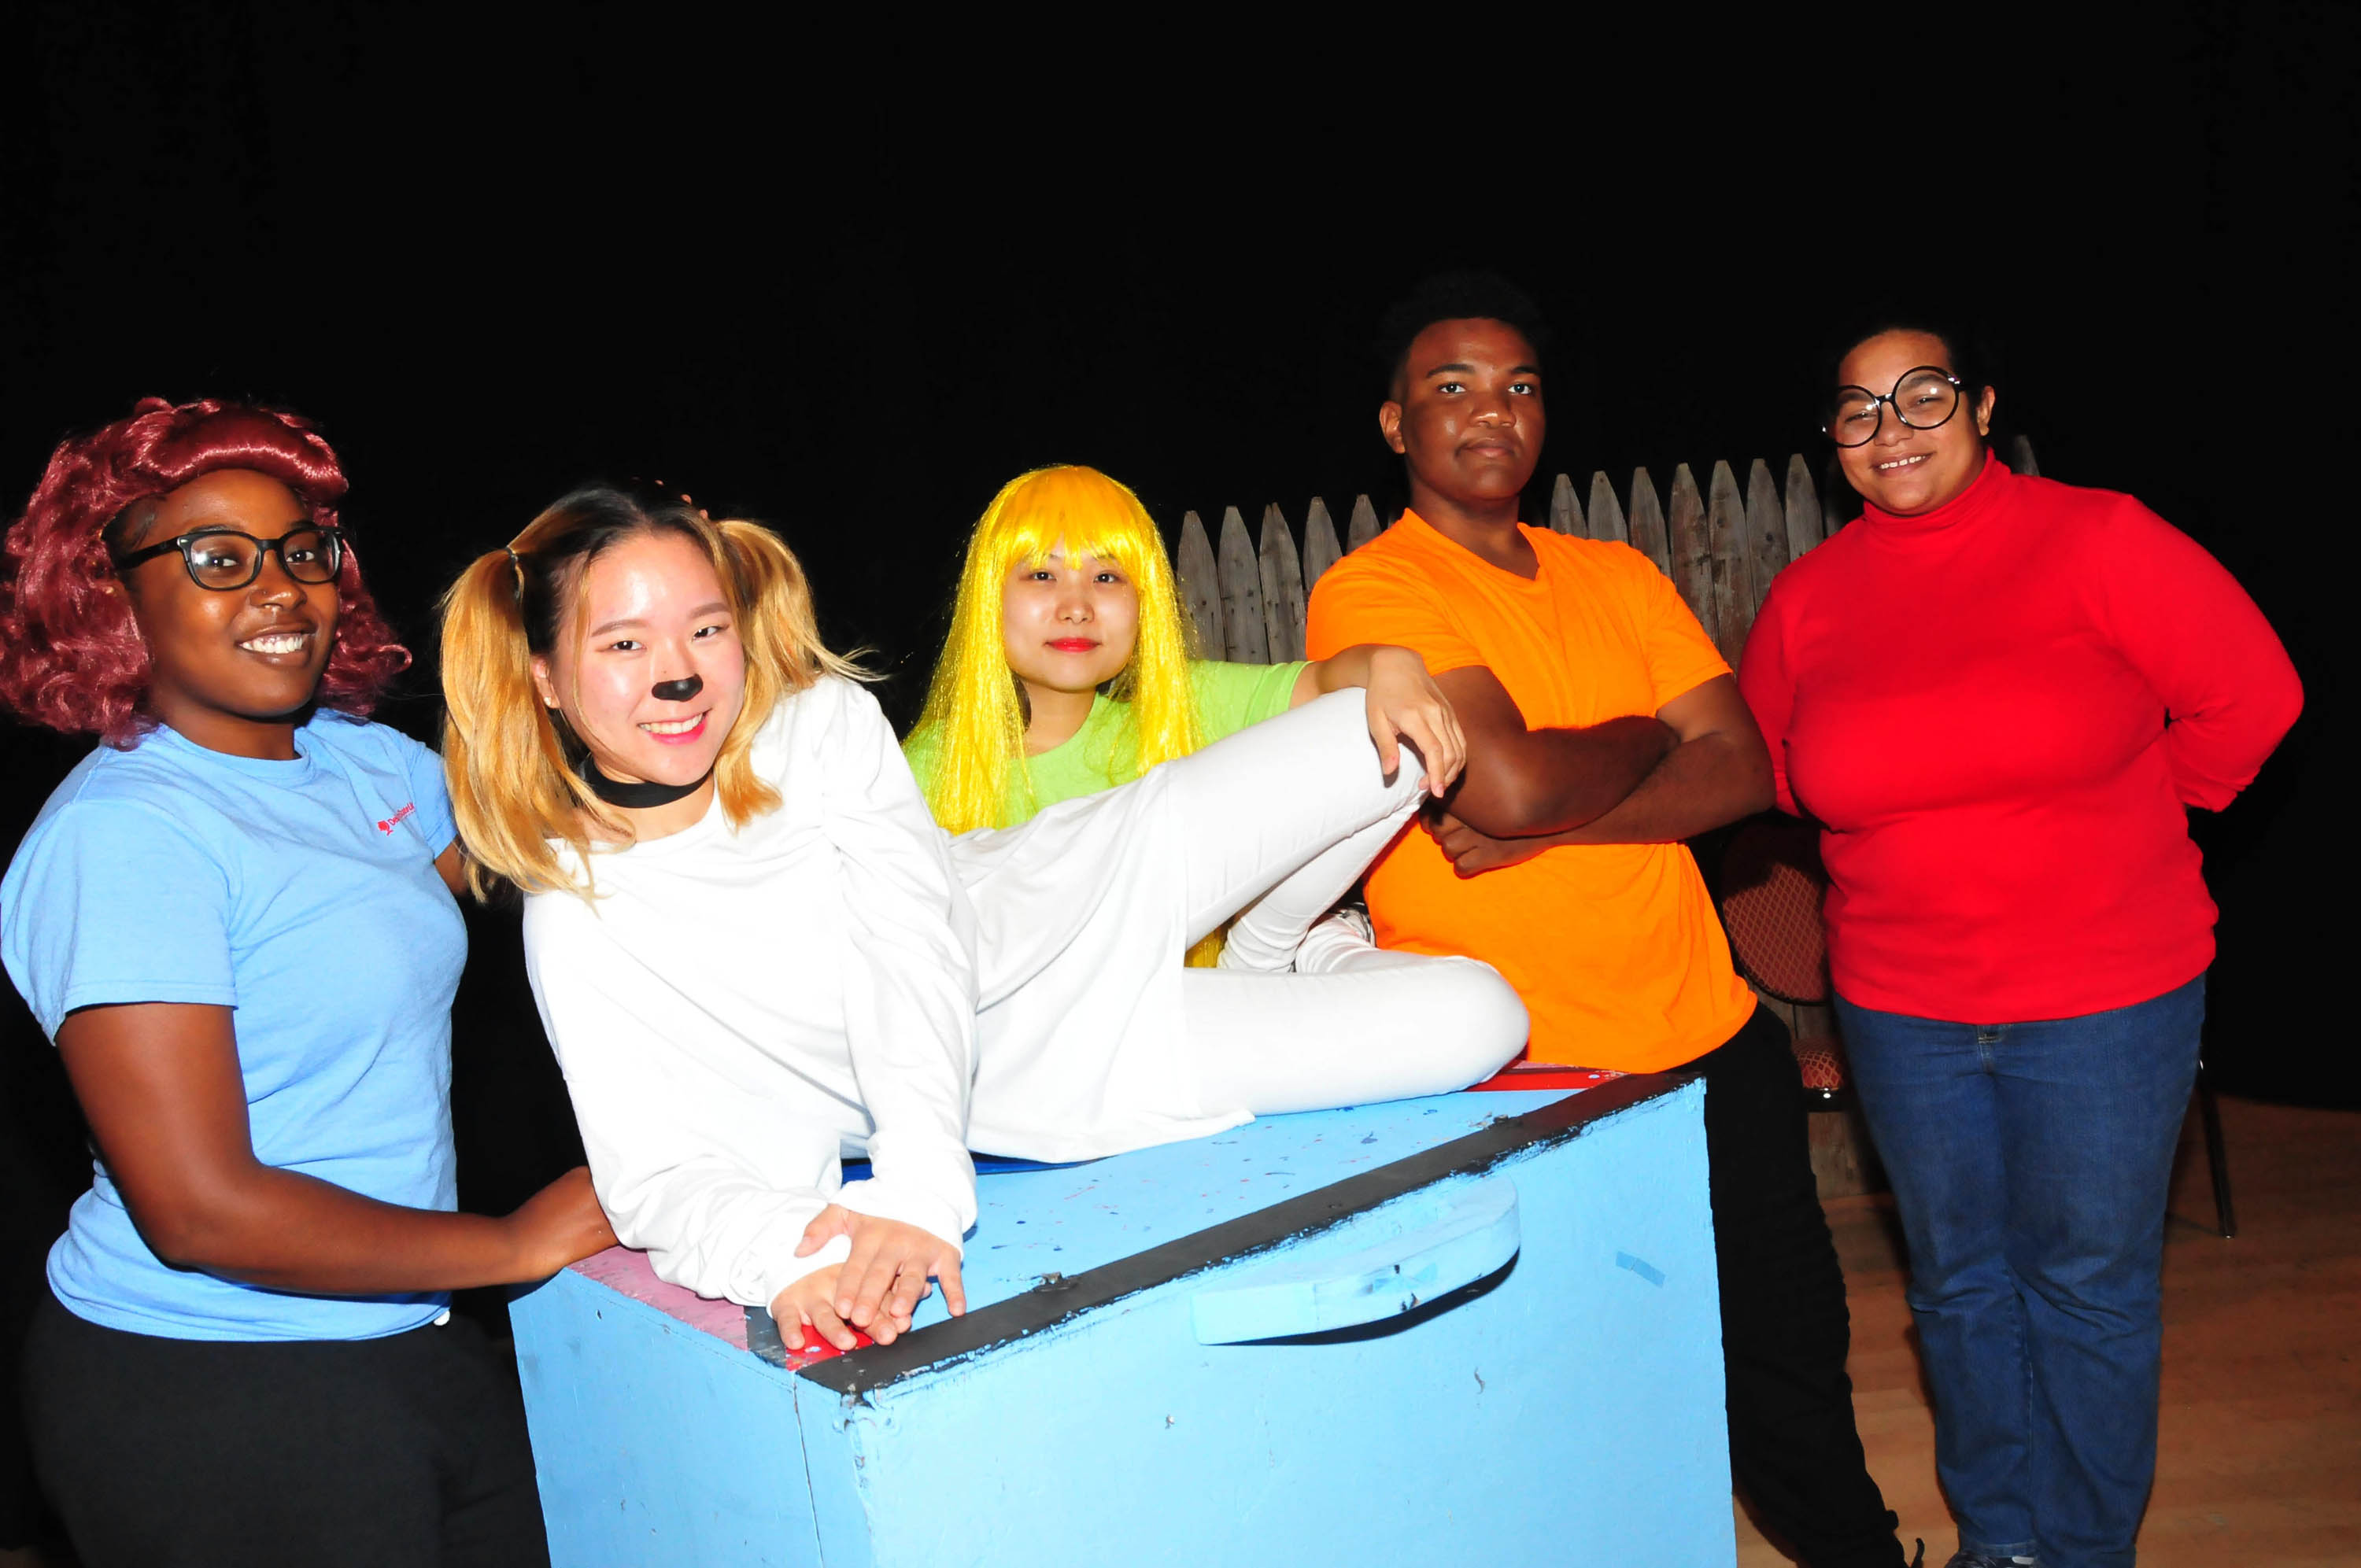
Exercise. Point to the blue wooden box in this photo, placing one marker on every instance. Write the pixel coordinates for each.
(1473, 1329)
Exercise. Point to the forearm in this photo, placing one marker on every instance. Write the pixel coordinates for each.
(1347, 667)
(2214, 756)
(722, 1232)
(291, 1232)
(1701, 785)
(1548, 781)
(2198, 642)
(913, 1053)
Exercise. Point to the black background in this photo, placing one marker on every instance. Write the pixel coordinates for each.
(827, 282)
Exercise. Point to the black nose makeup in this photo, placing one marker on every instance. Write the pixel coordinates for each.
(678, 691)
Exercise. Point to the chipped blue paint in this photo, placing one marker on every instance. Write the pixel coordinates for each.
(1640, 1267)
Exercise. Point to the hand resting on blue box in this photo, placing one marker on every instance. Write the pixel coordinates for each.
(876, 1289)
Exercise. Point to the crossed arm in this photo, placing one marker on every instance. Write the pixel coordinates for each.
(1698, 763)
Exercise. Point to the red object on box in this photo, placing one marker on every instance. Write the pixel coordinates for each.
(1545, 1075)
(627, 1272)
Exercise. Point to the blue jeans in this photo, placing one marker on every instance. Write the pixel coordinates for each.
(2030, 1164)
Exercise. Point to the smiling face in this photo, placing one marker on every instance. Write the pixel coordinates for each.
(646, 617)
(1069, 625)
(231, 670)
(1466, 413)
(1901, 471)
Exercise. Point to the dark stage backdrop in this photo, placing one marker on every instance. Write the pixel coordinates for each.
(490, 272)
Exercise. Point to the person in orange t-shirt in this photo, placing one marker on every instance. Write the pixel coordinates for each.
(1615, 946)
(1603, 730)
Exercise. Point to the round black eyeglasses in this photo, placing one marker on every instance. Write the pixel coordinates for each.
(224, 560)
(1922, 399)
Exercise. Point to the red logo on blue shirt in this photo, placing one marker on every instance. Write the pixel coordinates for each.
(389, 825)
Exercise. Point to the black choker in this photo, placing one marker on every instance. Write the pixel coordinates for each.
(636, 796)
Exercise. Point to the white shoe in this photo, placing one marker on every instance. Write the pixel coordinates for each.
(1342, 934)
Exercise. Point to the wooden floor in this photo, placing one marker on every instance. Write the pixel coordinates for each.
(2259, 1453)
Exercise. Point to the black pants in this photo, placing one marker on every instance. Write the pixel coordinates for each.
(397, 1452)
(1785, 1329)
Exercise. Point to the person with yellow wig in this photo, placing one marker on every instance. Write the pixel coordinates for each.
(755, 950)
(1067, 670)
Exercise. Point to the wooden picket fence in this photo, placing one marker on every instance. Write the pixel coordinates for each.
(1720, 545)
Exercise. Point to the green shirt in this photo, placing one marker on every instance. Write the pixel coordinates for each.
(1229, 698)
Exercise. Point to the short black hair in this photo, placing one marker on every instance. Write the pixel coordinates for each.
(1969, 345)
(1454, 296)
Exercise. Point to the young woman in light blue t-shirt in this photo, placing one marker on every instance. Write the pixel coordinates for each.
(236, 920)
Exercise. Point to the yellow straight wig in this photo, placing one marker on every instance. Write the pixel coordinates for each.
(974, 709)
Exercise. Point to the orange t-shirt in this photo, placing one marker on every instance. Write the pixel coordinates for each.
(1615, 947)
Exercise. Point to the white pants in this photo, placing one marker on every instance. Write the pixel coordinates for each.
(1091, 1036)
(1283, 1026)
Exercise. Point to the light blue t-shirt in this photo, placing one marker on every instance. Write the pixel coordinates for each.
(302, 893)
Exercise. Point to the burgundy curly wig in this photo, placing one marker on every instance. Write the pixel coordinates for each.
(70, 658)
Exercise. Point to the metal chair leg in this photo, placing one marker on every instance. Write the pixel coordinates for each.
(2210, 1115)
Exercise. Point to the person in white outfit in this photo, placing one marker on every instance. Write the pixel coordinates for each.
(1066, 671)
(755, 952)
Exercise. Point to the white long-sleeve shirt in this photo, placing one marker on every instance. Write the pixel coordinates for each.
(735, 1010)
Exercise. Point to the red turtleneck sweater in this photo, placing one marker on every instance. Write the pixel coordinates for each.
(1998, 712)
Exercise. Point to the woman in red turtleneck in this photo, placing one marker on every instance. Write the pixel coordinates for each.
(1998, 697)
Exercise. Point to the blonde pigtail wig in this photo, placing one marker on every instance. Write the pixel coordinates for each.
(502, 753)
(974, 715)
(510, 761)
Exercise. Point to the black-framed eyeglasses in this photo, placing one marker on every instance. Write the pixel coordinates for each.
(224, 560)
(1922, 399)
